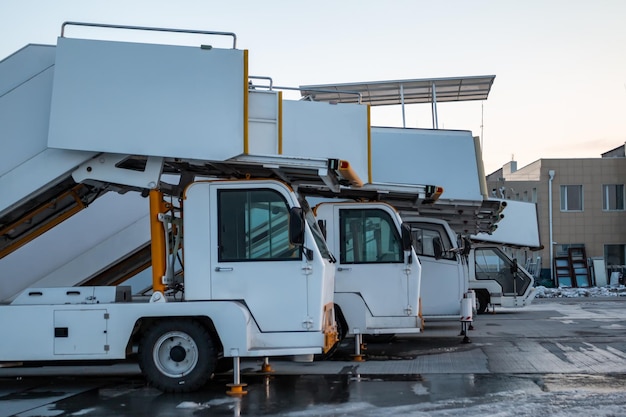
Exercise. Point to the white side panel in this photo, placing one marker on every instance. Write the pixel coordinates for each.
(263, 123)
(197, 232)
(238, 332)
(37, 173)
(91, 238)
(26, 164)
(275, 290)
(354, 311)
(519, 227)
(599, 269)
(72, 295)
(447, 158)
(24, 113)
(444, 280)
(323, 130)
(443, 285)
(80, 332)
(24, 64)
(386, 287)
(37, 342)
(97, 258)
(148, 99)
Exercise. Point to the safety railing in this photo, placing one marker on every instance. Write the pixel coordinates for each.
(147, 28)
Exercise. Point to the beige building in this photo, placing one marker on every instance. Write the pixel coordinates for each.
(581, 210)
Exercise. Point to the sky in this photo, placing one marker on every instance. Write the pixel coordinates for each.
(560, 65)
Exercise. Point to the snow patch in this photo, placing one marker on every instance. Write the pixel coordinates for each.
(613, 327)
(83, 412)
(191, 405)
(565, 292)
(221, 401)
(516, 403)
(419, 389)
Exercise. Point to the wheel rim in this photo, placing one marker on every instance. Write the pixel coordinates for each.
(175, 354)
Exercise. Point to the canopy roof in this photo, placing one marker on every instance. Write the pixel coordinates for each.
(383, 93)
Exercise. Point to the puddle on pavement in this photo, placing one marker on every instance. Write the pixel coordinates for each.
(400, 348)
(328, 395)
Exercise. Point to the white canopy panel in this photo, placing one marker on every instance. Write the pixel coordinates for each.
(384, 93)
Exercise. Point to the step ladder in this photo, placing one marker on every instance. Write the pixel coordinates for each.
(579, 268)
(572, 270)
(562, 271)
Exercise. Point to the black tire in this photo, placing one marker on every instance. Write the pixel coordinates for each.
(378, 338)
(177, 355)
(224, 365)
(482, 302)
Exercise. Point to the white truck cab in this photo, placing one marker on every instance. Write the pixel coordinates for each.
(444, 276)
(377, 280)
(451, 266)
(497, 279)
(258, 282)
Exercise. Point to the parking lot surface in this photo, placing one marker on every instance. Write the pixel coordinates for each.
(555, 357)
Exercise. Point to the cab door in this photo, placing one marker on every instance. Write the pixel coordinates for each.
(372, 262)
(444, 277)
(494, 265)
(253, 260)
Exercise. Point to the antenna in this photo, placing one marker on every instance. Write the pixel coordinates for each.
(482, 116)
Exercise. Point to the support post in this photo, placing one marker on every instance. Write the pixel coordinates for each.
(266, 367)
(236, 388)
(552, 277)
(466, 316)
(434, 108)
(358, 341)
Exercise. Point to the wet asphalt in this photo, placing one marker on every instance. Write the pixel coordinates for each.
(555, 357)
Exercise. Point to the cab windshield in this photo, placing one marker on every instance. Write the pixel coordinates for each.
(315, 229)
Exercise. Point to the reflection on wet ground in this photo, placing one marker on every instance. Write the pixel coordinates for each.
(322, 395)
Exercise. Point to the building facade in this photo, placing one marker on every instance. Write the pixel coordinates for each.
(581, 212)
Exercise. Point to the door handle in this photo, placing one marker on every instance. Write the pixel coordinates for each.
(222, 269)
(344, 269)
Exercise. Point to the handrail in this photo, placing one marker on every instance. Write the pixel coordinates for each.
(258, 77)
(272, 87)
(319, 90)
(104, 25)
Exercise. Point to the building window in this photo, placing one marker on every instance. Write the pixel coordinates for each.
(534, 196)
(571, 198)
(613, 197)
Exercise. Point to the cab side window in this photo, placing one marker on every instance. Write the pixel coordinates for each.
(431, 240)
(253, 226)
(488, 264)
(369, 236)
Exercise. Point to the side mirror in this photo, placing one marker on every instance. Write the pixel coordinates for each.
(296, 226)
(322, 226)
(407, 240)
(437, 248)
(467, 246)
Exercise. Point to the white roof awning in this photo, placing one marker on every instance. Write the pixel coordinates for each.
(384, 93)
(401, 92)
